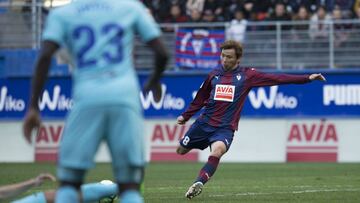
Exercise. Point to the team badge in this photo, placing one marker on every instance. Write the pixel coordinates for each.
(238, 77)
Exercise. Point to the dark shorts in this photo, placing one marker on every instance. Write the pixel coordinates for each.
(201, 135)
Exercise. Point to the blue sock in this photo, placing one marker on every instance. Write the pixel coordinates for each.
(131, 196)
(93, 192)
(67, 194)
(34, 198)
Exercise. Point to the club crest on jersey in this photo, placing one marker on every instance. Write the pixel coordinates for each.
(238, 77)
(224, 93)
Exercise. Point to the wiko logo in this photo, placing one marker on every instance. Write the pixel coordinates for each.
(167, 101)
(275, 99)
(58, 101)
(8, 103)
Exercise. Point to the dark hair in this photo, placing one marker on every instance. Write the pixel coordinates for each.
(232, 44)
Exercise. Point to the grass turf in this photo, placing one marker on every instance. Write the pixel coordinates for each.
(233, 182)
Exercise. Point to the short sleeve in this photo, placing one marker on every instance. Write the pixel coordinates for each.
(145, 25)
(54, 28)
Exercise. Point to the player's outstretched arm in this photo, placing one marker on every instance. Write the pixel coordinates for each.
(32, 117)
(13, 190)
(181, 120)
(161, 58)
(317, 76)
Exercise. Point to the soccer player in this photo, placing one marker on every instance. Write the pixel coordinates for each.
(91, 192)
(223, 94)
(99, 37)
(9, 191)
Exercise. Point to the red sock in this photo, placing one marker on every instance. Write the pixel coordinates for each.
(208, 169)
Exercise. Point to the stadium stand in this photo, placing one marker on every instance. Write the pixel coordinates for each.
(269, 42)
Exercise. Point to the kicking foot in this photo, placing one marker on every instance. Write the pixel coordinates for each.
(194, 190)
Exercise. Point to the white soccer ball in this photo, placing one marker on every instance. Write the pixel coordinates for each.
(107, 182)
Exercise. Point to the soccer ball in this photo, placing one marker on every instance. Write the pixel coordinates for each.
(109, 199)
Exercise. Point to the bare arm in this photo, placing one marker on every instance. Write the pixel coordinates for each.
(32, 118)
(199, 101)
(9, 191)
(161, 58)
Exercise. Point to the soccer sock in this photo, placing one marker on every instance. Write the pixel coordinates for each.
(34, 198)
(94, 191)
(67, 194)
(208, 170)
(131, 196)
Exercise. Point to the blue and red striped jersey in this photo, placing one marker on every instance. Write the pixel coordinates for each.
(223, 94)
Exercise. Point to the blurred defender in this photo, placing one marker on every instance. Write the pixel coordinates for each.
(223, 94)
(99, 37)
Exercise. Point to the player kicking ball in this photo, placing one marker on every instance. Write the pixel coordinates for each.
(222, 95)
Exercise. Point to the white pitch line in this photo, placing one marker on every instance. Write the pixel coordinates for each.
(290, 192)
(268, 193)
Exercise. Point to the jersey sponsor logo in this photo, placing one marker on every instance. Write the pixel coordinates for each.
(341, 95)
(312, 141)
(167, 101)
(10, 103)
(275, 99)
(224, 93)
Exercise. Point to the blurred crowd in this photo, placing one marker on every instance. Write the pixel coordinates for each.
(179, 11)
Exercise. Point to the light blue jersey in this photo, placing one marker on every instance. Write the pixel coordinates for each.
(98, 35)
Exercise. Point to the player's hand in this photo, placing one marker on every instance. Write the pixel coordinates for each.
(181, 120)
(40, 179)
(32, 121)
(155, 88)
(317, 76)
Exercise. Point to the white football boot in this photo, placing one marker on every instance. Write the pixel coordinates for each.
(194, 190)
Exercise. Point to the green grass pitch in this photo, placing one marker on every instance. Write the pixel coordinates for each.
(233, 182)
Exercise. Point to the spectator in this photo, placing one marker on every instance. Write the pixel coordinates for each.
(302, 15)
(319, 24)
(237, 28)
(295, 5)
(159, 8)
(208, 16)
(341, 33)
(216, 7)
(176, 15)
(231, 6)
(192, 5)
(195, 16)
(249, 10)
(280, 14)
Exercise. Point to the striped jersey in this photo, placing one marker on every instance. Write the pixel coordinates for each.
(223, 94)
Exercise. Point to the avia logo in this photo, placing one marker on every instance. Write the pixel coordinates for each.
(49, 135)
(167, 101)
(322, 133)
(224, 93)
(8, 103)
(168, 133)
(56, 102)
(341, 95)
(275, 99)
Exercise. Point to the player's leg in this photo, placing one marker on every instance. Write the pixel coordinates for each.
(82, 135)
(126, 144)
(195, 138)
(39, 197)
(220, 142)
(93, 192)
